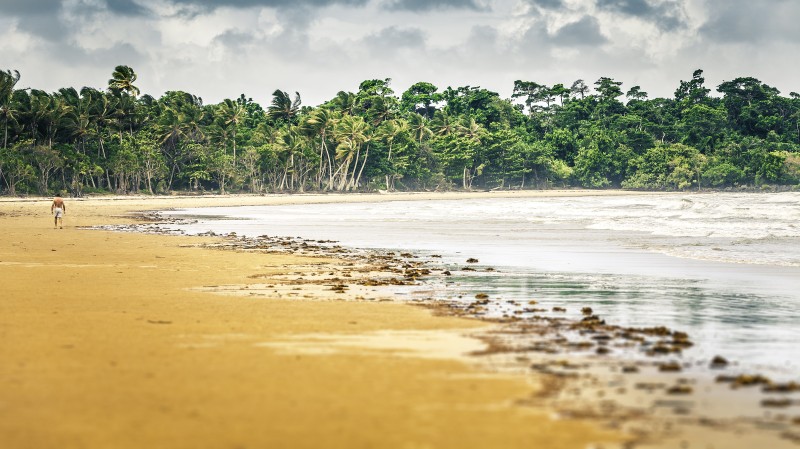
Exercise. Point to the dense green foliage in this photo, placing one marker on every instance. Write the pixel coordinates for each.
(120, 141)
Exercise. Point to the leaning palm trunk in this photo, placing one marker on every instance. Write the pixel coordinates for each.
(363, 164)
(351, 183)
(345, 169)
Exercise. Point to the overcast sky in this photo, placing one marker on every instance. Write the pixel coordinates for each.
(219, 49)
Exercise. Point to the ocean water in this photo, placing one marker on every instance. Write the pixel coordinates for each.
(723, 267)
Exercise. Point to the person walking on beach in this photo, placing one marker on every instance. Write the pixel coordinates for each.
(58, 208)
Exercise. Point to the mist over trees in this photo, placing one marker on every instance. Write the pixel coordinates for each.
(583, 134)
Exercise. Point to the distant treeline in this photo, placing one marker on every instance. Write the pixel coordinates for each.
(117, 140)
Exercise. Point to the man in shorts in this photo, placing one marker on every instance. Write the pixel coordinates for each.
(58, 208)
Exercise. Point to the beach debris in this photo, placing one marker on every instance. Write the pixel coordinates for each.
(586, 311)
(472, 260)
(630, 369)
(719, 362)
(670, 367)
(680, 389)
(744, 380)
(776, 403)
(481, 296)
(559, 309)
(338, 288)
(591, 321)
(789, 387)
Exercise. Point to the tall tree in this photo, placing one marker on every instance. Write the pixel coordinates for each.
(8, 80)
(421, 98)
(283, 108)
(232, 114)
(351, 133)
(122, 80)
(579, 87)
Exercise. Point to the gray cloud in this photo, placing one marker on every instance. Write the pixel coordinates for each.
(120, 53)
(630, 7)
(126, 7)
(482, 37)
(50, 8)
(666, 14)
(547, 4)
(393, 38)
(209, 5)
(751, 21)
(37, 17)
(448, 42)
(41, 17)
(234, 39)
(16, 8)
(428, 5)
(584, 32)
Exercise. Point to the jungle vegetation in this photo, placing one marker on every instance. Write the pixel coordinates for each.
(592, 135)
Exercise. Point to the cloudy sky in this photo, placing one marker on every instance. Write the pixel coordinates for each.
(218, 49)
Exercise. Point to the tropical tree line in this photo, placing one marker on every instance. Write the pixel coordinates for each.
(118, 140)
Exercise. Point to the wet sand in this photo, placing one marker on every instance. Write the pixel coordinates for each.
(114, 340)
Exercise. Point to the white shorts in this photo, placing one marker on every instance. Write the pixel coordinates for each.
(58, 212)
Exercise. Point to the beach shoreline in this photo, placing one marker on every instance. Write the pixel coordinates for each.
(366, 330)
(107, 342)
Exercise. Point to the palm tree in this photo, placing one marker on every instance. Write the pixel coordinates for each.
(8, 80)
(389, 131)
(292, 143)
(181, 120)
(122, 81)
(282, 107)
(351, 133)
(37, 111)
(345, 102)
(125, 114)
(472, 129)
(419, 127)
(102, 113)
(445, 124)
(380, 110)
(318, 123)
(232, 113)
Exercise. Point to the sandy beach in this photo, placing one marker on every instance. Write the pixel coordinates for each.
(108, 340)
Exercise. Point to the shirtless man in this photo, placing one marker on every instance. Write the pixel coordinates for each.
(58, 208)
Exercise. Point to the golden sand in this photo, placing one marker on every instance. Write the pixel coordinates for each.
(108, 341)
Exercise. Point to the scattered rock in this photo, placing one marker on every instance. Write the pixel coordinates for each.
(680, 389)
(790, 387)
(719, 362)
(776, 403)
(670, 367)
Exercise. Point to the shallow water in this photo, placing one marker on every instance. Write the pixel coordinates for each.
(723, 267)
